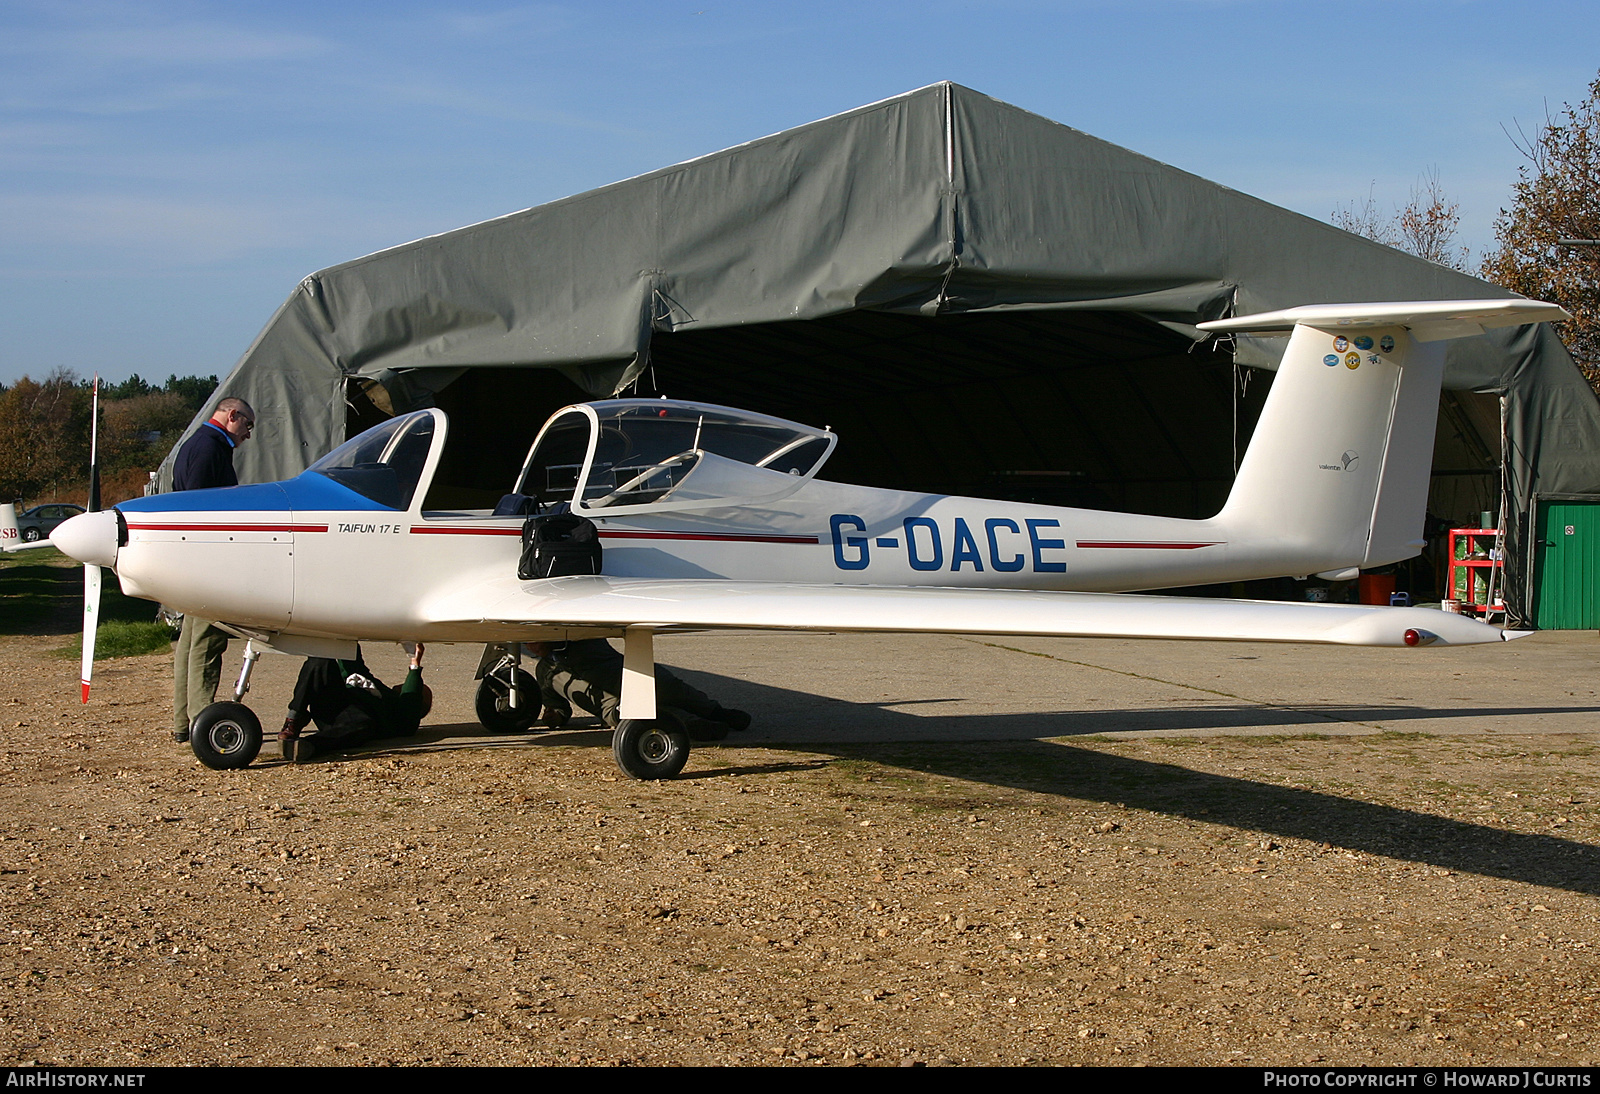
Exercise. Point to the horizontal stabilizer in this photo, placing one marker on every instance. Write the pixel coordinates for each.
(10, 537)
(604, 602)
(1427, 320)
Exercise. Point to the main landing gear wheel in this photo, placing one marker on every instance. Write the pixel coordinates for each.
(226, 736)
(655, 749)
(493, 702)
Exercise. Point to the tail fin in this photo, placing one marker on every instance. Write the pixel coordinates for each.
(1336, 475)
(9, 536)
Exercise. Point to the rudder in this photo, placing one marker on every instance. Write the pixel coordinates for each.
(1336, 476)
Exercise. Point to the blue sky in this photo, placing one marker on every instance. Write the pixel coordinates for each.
(170, 170)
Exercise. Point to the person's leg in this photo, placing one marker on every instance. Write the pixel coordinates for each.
(182, 650)
(584, 686)
(673, 691)
(556, 709)
(205, 666)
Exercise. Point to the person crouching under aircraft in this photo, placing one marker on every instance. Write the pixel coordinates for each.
(351, 706)
(587, 674)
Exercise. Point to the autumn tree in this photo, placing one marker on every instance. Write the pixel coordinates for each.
(1557, 198)
(1426, 227)
(139, 431)
(44, 435)
(44, 432)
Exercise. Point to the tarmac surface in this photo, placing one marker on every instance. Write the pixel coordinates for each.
(821, 689)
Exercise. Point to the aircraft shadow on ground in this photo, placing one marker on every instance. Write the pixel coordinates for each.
(785, 716)
(1011, 753)
(1007, 750)
(1068, 771)
(1318, 816)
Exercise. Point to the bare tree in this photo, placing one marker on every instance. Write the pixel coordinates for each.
(1429, 222)
(1557, 197)
(1367, 220)
(1426, 227)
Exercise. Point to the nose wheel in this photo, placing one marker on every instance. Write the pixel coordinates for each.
(493, 702)
(225, 736)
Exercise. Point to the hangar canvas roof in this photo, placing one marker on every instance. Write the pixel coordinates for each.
(831, 246)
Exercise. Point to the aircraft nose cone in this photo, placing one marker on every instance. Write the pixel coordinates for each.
(89, 537)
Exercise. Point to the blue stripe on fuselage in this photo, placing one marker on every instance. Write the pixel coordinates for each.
(309, 492)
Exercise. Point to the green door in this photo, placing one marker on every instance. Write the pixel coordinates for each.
(1567, 561)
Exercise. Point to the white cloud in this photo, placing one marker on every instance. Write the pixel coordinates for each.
(79, 34)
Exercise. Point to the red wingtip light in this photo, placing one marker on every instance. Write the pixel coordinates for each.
(1414, 637)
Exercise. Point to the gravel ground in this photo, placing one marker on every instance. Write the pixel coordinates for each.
(1387, 899)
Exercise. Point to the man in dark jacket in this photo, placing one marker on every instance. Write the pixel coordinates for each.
(205, 460)
(351, 706)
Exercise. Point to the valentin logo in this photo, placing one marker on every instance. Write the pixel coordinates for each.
(1347, 461)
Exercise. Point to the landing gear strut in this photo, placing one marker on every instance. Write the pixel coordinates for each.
(648, 742)
(226, 736)
(508, 696)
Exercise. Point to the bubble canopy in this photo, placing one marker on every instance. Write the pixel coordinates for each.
(628, 456)
(386, 463)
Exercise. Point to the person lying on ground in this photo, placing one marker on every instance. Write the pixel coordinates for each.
(351, 706)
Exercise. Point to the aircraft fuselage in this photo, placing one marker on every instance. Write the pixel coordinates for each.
(224, 554)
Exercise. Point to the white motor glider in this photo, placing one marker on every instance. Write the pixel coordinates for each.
(712, 517)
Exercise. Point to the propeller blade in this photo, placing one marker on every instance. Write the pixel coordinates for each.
(94, 450)
(91, 572)
(91, 622)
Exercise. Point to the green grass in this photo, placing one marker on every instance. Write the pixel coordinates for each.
(1262, 740)
(122, 638)
(31, 588)
(41, 592)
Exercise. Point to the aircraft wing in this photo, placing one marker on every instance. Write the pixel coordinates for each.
(698, 604)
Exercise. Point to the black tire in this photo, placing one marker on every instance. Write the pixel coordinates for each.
(226, 736)
(31, 535)
(655, 749)
(493, 704)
